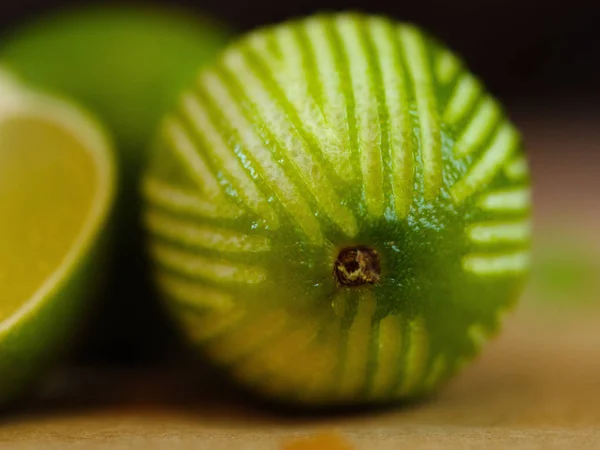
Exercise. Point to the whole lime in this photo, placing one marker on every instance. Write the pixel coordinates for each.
(339, 212)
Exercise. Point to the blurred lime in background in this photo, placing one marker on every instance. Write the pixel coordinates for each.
(127, 63)
(56, 190)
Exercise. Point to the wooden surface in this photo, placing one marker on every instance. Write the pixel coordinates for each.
(535, 387)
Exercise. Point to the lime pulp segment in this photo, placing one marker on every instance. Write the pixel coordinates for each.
(47, 186)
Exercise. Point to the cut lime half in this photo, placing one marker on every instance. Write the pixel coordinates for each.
(56, 190)
(127, 64)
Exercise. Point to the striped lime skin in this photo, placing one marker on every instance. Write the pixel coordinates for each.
(333, 132)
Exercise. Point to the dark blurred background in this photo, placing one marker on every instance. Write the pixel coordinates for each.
(527, 51)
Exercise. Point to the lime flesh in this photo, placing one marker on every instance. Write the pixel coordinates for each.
(47, 184)
(56, 191)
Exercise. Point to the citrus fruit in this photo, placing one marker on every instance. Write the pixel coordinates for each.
(338, 211)
(56, 190)
(125, 63)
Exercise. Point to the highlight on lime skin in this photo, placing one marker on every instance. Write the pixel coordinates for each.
(341, 189)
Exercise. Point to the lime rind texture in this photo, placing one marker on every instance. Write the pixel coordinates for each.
(325, 133)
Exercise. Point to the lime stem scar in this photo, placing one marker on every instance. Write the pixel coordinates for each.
(356, 266)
